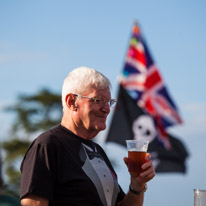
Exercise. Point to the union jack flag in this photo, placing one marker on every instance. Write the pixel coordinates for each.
(143, 82)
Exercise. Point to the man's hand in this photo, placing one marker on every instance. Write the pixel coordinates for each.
(34, 200)
(138, 181)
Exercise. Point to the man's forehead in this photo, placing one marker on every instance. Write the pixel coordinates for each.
(97, 91)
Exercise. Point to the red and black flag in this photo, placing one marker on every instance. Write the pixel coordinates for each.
(145, 109)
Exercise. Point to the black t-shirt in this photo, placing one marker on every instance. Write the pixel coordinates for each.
(54, 168)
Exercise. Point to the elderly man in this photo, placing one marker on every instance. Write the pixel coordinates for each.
(64, 167)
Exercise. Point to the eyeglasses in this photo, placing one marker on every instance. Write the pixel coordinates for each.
(97, 100)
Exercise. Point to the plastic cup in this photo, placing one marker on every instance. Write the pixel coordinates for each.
(137, 150)
(199, 197)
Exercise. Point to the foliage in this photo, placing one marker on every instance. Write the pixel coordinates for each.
(33, 114)
(36, 112)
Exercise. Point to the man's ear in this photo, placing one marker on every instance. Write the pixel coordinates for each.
(70, 100)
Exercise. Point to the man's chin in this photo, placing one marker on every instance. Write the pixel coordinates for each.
(101, 128)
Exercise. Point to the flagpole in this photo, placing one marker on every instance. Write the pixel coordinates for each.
(119, 76)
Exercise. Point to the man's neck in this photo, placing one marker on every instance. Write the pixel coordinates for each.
(78, 130)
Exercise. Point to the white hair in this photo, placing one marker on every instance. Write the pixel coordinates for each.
(83, 79)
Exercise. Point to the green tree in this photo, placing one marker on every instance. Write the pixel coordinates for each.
(33, 114)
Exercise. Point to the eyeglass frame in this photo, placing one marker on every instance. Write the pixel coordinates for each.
(102, 101)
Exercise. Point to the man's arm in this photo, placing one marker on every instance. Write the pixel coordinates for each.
(132, 199)
(135, 196)
(34, 200)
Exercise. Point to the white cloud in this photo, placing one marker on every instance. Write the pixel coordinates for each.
(10, 52)
(20, 57)
(195, 107)
(194, 120)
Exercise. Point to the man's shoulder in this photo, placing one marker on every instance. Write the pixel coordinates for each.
(56, 135)
(50, 136)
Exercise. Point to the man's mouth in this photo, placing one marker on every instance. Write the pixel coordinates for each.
(102, 116)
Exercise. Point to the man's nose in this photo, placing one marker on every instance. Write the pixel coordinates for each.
(106, 107)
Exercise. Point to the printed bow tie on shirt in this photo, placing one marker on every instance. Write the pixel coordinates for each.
(93, 154)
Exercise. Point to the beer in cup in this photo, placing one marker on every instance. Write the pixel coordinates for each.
(137, 150)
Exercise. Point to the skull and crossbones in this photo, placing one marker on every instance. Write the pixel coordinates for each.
(144, 128)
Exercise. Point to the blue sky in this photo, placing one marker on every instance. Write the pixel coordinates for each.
(41, 41)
